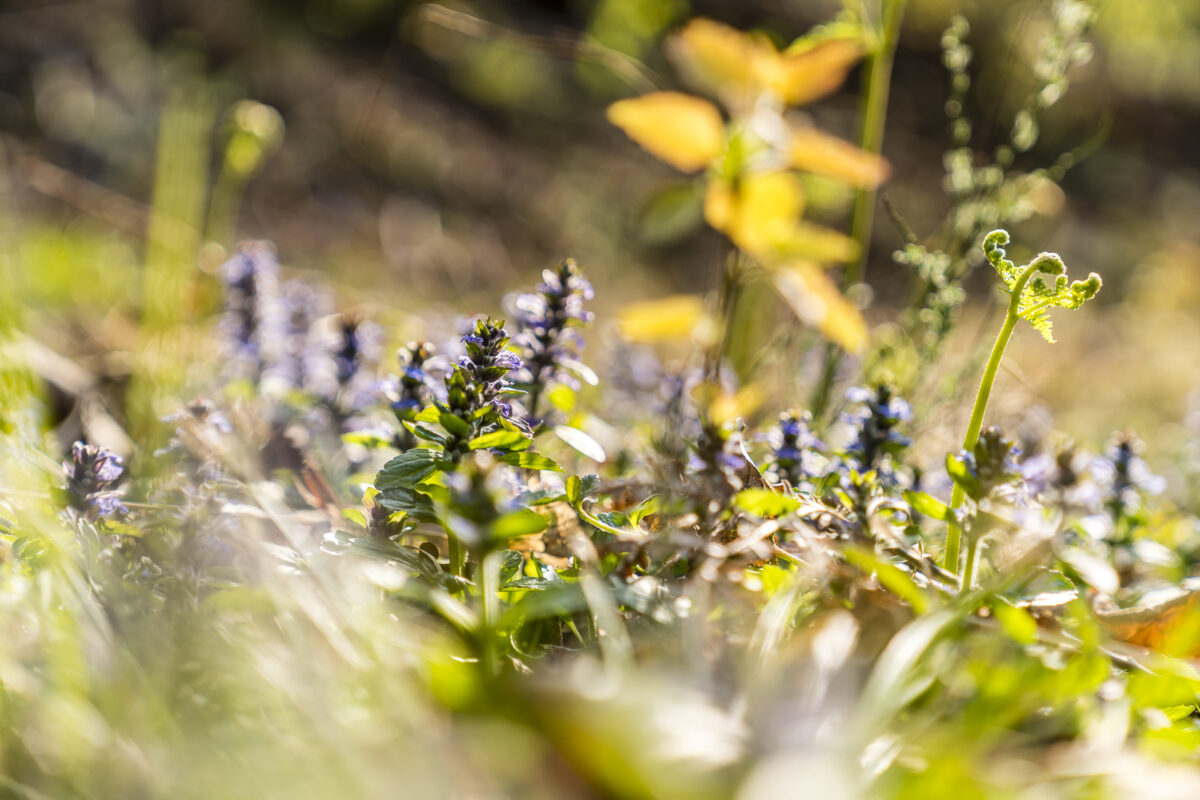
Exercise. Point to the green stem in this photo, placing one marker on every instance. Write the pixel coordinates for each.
(872, 114)
(489, 587)
(957, 496)
(972, 562)
(458, 555)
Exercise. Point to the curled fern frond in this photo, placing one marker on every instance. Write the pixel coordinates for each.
(1033, 294)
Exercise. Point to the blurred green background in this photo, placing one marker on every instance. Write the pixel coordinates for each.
(437, 155)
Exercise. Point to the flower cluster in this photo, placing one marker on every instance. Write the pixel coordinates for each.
(283, 335)
(875, 418)
(412, 390)
(92, 473)
(546, 321)
(795, 449)
(478, 384)
(1124, 477)
(255, 322)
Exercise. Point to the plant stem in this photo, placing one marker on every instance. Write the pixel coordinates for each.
(458, 555)
(972, 562)
(872, 115)
(957, 496)
(489, 586)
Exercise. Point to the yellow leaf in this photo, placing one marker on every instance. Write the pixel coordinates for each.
(679, 317)
(820, 153)
(817, 302)
(808, 72)
(816, 243)
(761, 215)
(726, 407)
(722, 60)
(684, 131)
(758, 212)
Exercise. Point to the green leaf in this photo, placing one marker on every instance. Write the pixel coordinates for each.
(672, 213)
(574, 490)
(527, 460)
(410, 501)
(454, 424)
(519, 523)
(371, 441)
(1018, 623)
(765, 503)
(410, 468)
(429, 413)
(502, 439)
(427, 433)
(558, 600)
(962, 476)
(930, 506)
(891, 577)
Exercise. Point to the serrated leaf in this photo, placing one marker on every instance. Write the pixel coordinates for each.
(410, 501)
(410, 468)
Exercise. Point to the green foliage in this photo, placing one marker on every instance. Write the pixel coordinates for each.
(1034, 296)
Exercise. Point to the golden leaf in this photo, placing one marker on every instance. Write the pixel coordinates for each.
(816, 301)
(761, 215)
(726, 407)
(758, 212)
(684, 131)
(722, 60)
(675, 318)
(740, 67)
(808, 72)
(820, 153)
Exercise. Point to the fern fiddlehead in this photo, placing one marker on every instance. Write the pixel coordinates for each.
(1031, 298)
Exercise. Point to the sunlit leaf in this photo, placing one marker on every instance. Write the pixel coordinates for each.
(808, 71)
(758, 212)
(820, 153)
(502, 439)
(1018, 623)
(684, 131)
(816, 301)
(518, 523)
(676, 318)
(723, 61)
(581, 441)
(726, 406)
(765, 503)
(529, 460)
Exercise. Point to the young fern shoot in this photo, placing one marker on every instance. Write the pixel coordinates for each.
(1034, 289)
